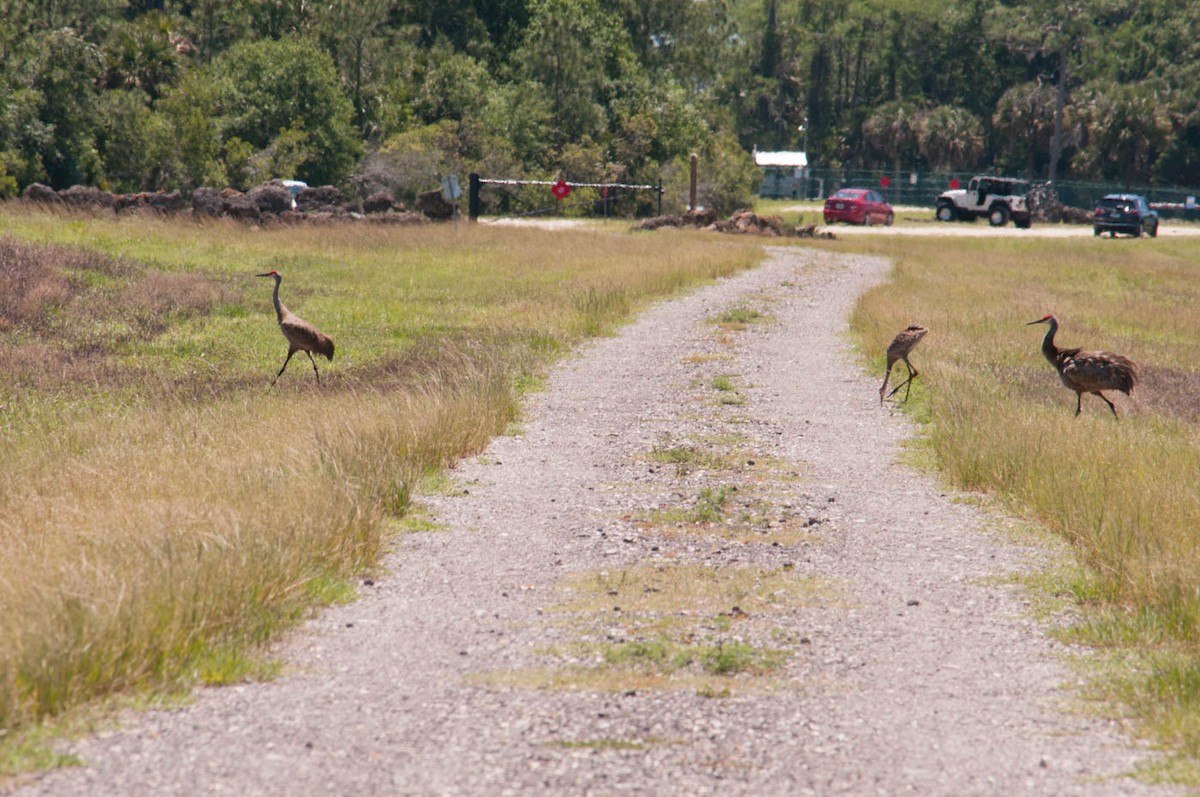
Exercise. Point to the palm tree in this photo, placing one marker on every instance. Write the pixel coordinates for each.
(1024, 123)
(1126, 127)
(892, 131)
(950, 137)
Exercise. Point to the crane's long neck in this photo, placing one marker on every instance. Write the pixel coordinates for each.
(280, 310)
(1048, 348)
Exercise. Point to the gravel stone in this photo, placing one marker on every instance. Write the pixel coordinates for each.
(927, 674)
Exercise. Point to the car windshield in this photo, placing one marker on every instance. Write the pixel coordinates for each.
(848, 193)
(1122, 204)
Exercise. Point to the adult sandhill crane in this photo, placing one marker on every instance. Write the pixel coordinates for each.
(899, 349)
(1088, 371)
(301, 335)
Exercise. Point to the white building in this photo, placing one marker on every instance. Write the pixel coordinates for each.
(784, 174)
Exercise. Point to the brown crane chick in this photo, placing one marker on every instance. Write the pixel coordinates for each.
(1088, 371)
(899, 349)
(301, 335)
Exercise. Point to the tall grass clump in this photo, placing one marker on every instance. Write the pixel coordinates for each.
(142, 548)
(1123, 492)
(162, 512)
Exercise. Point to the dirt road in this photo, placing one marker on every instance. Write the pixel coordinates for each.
(910, 667)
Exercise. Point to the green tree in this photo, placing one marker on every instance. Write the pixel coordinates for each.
(355, 34)
(520, 113)
(63, 73)
(125, 141)
(268, 87)
(451, 86)
(950, 138)
(1126, 127)
(142, 54)
(191, 156)
(574, 51)
(1024, 123)
(892, 131)
(1058, 32)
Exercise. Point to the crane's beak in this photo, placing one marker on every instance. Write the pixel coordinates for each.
(268, 274)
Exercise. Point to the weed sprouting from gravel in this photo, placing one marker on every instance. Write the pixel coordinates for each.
(739, 318)
(692, 627)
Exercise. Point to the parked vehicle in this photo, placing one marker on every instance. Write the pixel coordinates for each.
(996, 199)
(1126, 213)
(859, 206)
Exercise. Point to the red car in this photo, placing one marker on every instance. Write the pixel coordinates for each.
(858, 206)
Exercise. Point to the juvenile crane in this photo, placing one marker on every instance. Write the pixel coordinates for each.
(301, 335)
(1088, 371)
(899, 349)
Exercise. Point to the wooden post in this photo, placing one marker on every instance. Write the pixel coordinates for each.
(473, 198)
(692, 189)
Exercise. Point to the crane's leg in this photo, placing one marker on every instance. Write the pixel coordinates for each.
(314, 362)
(1078, 403)
(1109, 403)
(912, 374)
(284, 368)
(886, 376)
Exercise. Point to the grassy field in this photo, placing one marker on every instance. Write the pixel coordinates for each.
(1125, 494)
(162, 512)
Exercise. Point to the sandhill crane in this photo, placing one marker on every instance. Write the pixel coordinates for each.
(1088, 371)
(301, 335)
(899, 349)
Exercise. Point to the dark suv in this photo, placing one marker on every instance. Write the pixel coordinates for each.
(1127, 213)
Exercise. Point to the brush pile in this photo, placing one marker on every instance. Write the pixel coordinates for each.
(742, 222)
(268, 202)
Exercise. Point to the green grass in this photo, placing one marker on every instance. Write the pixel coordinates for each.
(737, 319)
(163, 514)
(686, 459)
(1123, 493)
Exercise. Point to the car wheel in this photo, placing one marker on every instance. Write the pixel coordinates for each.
(891, 218)
(945, 212)
(867, 219)
(1138, 230)
(1154, 230)
(1096, 231)
(998, 215)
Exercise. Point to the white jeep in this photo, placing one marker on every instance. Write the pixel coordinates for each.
(997, 199)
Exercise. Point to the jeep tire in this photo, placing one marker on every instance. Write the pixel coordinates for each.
(998, 215)
(945, 212)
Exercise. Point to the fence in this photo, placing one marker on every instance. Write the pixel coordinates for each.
(540, 197)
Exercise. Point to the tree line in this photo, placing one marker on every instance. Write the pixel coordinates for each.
(162, 95)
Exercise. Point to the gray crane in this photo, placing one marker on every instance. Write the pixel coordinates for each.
(301, 335)
(1088, 371)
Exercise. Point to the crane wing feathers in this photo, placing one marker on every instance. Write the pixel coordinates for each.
(906, 340)
(1088, 371)
(303, 336)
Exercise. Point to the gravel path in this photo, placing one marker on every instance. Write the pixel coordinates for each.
(912, 668)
